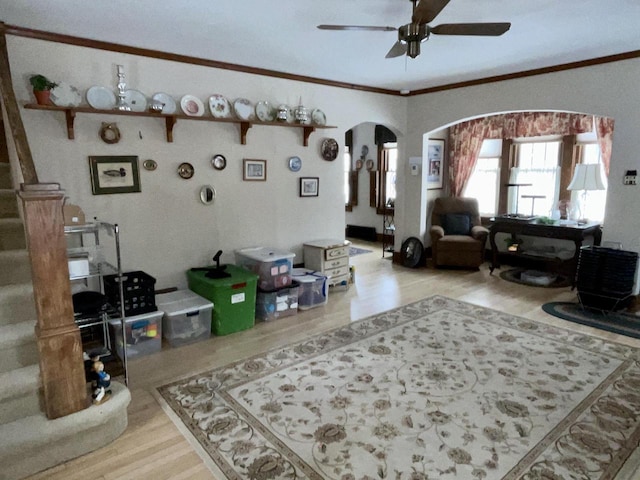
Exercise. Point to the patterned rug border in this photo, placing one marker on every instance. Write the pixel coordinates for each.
(341, 337)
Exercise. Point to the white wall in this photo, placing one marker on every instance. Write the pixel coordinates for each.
(608, 90)
(165, 228)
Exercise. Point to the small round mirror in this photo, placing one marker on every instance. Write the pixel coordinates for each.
(207, 194)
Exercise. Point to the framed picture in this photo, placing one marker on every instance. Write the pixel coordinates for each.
(254, 170)
(114, 174)
(435, 154)
(309, 186)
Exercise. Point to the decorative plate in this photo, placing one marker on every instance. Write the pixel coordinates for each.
(219, 106)
(243, 109)
(219, 162)
(101, 98)
(136, 100)
(65, 95)
(169, 104)
(329, 149)
(265, 112)
(295, 164)
(192, 106)
(318, 117)
(359, 164)
(150, 165)
(185, 170)
(369, 164)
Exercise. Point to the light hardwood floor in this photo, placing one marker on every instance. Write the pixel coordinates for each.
(153, 448)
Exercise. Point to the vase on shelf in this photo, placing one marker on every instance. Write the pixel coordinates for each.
(43, 97)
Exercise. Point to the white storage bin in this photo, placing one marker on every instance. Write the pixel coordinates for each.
(313, 290)
(143, 332)
(187, 317)
(272, 266)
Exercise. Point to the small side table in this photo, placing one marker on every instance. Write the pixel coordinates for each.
(329, 257)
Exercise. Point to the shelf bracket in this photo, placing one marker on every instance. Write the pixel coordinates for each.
(70, 116)
(306, 132)
(244, 128)
(170, 122)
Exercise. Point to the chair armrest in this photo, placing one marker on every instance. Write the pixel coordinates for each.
(479, 232)
(436, 232)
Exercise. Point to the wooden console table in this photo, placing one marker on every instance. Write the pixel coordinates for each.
(575, 233)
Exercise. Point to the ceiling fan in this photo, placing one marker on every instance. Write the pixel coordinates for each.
(412, 34)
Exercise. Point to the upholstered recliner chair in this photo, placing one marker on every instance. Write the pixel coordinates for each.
(457, 237)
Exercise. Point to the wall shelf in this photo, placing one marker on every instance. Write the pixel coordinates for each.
(171, 120)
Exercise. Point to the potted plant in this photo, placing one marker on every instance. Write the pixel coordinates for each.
(42, 88)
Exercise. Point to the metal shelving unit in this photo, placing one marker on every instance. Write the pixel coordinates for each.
(92, 250)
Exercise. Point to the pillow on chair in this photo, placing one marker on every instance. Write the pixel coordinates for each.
(456, 224)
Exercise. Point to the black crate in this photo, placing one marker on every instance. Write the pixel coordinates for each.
(138, 291)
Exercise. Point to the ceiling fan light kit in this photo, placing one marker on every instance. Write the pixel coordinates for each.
(412, 34)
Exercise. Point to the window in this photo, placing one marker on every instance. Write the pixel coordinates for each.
(537, 165)
(388, 164)
(483, 183)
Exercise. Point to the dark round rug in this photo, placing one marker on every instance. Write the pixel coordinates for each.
(618, 322)
(514, 275)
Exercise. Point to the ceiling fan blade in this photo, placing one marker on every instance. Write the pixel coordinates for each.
(427, 10)
(488, 29)
(397, 50)
(357, 27)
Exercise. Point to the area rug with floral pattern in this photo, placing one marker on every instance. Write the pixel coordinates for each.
(437, 389)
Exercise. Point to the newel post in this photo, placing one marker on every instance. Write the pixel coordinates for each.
(58, 337)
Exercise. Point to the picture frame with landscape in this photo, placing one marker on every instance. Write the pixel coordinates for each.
(309, 186)
(254, 170)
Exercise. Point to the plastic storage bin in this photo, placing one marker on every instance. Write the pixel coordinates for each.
(277, 303)
(233, 297)
(138, 290)
(143, 333)
(272, 266)
(313, 290)
(187, 317)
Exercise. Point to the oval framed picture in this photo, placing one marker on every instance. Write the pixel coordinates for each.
(219, 162)
(329, 149)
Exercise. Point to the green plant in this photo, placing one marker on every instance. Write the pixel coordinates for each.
(41, 83)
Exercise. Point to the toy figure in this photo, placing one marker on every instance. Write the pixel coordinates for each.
(101, 383)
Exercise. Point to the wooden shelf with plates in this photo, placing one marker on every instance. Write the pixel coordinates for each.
(171, 120)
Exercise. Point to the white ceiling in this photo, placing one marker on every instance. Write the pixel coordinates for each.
(281, 35)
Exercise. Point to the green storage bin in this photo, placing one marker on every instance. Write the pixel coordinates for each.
(234, 298)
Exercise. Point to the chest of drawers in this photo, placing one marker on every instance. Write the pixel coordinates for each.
(329, 257)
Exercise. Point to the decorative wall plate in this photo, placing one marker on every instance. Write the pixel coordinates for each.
(265, 112)
(295, 164)
(65, 95)
(150, 165)
(329, 149)
(136, 100)
(219, 106)
(101, 98)
(219, 162)
(318, 117)
(185, 170)
(169, 104)
(243, 108)
(192, 106)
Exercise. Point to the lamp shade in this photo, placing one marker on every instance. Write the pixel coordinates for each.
(586, 177)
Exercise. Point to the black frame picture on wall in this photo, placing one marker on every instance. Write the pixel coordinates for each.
(436, 155)
(114, 174)
(309, 186)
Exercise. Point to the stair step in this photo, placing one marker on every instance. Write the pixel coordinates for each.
(8, 204)
(20, 394)
(12, 234)
(5, 175)
(32, 444)
(16, 267)
(18, 347)
(17, 303)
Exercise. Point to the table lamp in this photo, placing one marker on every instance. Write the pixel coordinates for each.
(586, 177)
